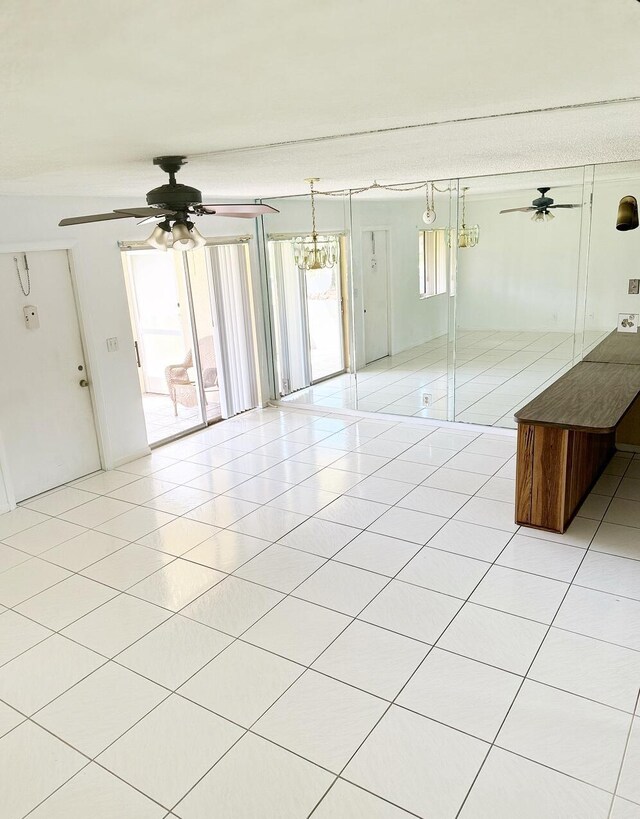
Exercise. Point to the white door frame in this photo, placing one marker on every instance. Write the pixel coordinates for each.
(387, 230)
(95, 387)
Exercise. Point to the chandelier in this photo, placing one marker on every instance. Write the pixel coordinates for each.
(315, 252)
(467, 236)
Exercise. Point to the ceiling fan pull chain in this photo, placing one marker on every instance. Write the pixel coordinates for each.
(25, 291)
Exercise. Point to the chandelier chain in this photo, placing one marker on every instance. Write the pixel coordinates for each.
(401, 187)
(313, 210)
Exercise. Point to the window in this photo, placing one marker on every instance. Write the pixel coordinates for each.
(433, 248)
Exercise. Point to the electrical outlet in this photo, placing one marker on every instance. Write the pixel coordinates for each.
(634, 287)
(427, 399)
(628, 322)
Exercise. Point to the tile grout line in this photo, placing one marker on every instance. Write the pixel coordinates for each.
(525, 677)
(326, 560)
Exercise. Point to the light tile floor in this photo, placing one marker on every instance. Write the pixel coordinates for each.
(497, 372)
(347, 625)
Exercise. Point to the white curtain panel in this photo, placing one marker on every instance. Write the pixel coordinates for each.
(290, 317)
(234, 331)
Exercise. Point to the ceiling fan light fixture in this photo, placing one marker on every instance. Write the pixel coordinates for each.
(538, 216)
(549, 216)
(182, 239)
(627, 214)
(197, 237)
(160, 238)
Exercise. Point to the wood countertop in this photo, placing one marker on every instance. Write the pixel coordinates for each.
(593, 396)
(617, 348)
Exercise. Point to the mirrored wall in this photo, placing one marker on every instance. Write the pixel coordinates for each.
(456, 300)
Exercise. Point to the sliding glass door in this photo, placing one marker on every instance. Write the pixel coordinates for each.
(163, 331)
(194, 335)
(198, 273)
(324, 311)
(308, 315)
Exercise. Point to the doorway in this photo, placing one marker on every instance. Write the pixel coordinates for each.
(194, 335)
(46, 412)
(163, 331)
(375, 294)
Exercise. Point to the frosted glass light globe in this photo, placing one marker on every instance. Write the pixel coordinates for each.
(429, 216)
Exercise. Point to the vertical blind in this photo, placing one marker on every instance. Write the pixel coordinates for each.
(234, 327)
(290, 318)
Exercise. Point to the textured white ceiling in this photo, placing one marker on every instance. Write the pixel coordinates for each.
(91, 91)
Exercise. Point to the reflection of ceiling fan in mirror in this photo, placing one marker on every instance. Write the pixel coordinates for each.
(173, 205)
(541, 207)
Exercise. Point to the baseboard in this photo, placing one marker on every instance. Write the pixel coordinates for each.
(396, 419)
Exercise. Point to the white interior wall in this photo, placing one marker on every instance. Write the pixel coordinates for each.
(30, 223)
(522, 275)
(614, 257)
(7, 500)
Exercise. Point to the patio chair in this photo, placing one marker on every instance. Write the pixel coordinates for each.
(182, 386)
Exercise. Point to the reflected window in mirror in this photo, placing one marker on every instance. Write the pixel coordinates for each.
(432, 253)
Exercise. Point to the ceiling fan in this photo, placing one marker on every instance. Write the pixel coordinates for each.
(541, 207)
(174, 205)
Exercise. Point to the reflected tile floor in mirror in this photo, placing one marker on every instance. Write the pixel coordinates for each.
(497, 373)
(292, 614)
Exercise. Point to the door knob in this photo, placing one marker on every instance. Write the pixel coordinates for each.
(83, 382)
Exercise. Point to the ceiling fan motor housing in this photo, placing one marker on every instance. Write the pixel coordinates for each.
(173, 195)
(176, 197)
(543, 201)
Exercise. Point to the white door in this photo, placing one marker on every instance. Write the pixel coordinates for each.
(46, 416)
(375, 292)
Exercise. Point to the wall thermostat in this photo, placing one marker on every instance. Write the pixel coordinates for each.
(31, 318)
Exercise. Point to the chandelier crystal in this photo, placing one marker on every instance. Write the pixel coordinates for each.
(467, 236)
(315, 252)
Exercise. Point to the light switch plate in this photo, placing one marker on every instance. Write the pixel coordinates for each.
(634, 287)
(112, 344)
(628, 322)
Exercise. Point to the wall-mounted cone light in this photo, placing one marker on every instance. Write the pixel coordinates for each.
(627, 214)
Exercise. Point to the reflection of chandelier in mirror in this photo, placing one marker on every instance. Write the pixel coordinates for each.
(429, 215)
(467, 236)
(315, 252)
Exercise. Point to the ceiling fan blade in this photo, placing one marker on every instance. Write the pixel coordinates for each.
(243, 211)
(141, 213)
(96, 217)
(151, 219)
(518, 210)
(565, 206)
